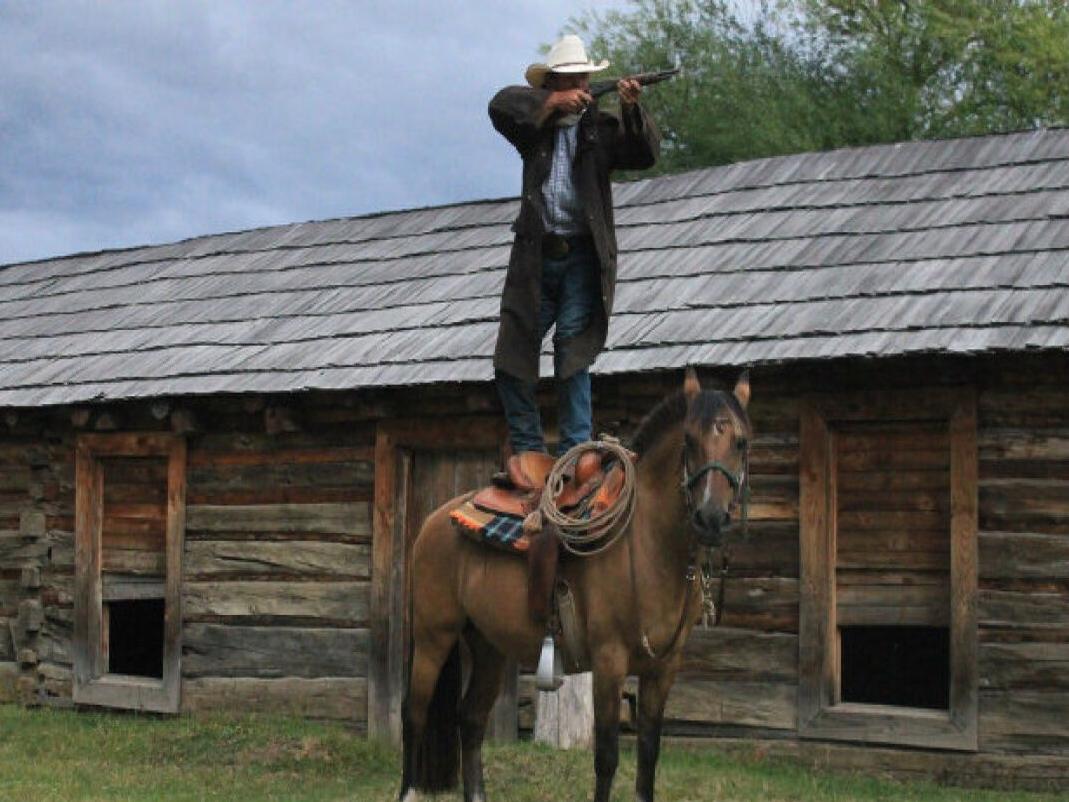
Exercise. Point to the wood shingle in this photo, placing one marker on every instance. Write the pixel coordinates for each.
(959, 245)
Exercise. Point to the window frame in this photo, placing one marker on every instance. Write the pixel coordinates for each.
(92, 686)
(821, 714)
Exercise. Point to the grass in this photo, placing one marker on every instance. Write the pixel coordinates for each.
(48, 755)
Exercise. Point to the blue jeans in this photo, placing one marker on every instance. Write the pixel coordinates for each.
(570, 288)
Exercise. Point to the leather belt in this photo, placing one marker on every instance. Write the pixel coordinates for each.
(555, 246)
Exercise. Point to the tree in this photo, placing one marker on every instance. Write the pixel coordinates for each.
(798, 75)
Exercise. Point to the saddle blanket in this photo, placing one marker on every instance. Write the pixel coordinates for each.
(503, 532)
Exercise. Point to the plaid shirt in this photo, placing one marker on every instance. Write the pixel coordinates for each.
(564, 207)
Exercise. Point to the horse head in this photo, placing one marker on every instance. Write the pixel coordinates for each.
(716, 437)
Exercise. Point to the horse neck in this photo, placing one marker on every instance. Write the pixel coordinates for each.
(662, 535)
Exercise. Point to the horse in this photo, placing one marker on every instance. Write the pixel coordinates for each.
(637, 600)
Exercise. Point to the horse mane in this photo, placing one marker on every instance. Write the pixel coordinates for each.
(672, 409)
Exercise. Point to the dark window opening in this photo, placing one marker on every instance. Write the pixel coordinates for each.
(135, 637)
(902, 666)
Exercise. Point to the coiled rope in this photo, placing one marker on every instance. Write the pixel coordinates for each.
(587, 535)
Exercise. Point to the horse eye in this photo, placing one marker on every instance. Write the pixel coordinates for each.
(742, 444)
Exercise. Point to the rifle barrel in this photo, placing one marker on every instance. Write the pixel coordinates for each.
(599, 88)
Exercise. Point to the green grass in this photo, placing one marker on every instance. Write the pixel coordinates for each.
(48, 755)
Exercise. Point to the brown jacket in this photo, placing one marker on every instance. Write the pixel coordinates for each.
(605, 143)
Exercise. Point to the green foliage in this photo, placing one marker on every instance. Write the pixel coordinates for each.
(770, 78)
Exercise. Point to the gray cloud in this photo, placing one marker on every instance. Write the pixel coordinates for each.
(139, 121)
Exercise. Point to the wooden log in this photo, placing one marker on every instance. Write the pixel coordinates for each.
(343, 603)
(880, 460)
(31, 615)
(1019, 555)
(1016, 719)
(130, 533)
(763, 603)
(280, 474)
(1029, 666)
(14, 479)
(352, 444)
(134, 561)
(902, 520)
(17, 550)
(30, 578)
(1023, 609)
(917, 500)
(32, 523)
(351, 519)
(887, 438)
(893, 482)
(239, 651)
(334, 698)
(121, 587)
(726, 653)
(771, 548)
(266, 494)
(215, 559)
(1023, 445)
(753, 704)
(1029, 505)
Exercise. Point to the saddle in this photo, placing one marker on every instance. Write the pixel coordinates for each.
(502, 514)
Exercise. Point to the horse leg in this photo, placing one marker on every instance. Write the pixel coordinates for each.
(487, 673)
(652, 695)
(435, 662)
(608, 685)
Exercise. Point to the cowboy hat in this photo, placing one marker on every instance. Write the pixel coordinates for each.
(567, 55)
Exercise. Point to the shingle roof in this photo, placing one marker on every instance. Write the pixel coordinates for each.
(958, 245)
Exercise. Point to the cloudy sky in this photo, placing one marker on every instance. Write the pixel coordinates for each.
(129, 122)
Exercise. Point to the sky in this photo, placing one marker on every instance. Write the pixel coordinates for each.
(133, 122)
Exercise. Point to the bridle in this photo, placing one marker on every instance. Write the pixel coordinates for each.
(740, 494)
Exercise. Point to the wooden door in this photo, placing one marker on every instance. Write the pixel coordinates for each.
(418, 467)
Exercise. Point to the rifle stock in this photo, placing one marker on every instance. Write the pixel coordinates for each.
(599, 88)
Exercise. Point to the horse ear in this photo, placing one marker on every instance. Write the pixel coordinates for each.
(742, 388)
(691, 386)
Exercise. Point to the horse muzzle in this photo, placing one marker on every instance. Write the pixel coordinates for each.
(710, 525)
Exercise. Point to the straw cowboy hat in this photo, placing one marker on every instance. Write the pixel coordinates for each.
(567, 55)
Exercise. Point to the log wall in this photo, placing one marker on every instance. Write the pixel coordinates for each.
(277, 565)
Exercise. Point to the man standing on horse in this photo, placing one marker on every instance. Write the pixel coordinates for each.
(562, 269)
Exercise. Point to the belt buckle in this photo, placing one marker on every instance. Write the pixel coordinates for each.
(554, 246)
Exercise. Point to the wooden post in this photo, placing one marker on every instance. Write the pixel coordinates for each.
(565, 719)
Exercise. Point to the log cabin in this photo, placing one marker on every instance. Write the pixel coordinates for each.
(214, 454)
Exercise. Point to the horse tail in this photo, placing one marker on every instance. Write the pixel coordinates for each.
(436, 758)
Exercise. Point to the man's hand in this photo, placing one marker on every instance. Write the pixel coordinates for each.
(569, 101)
(628, 90)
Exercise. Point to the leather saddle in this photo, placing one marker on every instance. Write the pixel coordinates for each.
(592, 483)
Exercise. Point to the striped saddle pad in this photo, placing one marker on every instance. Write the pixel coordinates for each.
(504, 532)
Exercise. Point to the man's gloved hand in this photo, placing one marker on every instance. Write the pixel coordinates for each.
(569, 101)
(628, 90)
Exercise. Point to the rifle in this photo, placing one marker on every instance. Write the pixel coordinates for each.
(599, 88)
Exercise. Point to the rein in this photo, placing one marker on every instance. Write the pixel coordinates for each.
(702, 573)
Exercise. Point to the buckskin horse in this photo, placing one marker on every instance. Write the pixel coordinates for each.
(637, 600)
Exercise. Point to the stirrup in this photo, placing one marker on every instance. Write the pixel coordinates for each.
(550, 674)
